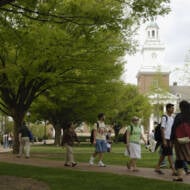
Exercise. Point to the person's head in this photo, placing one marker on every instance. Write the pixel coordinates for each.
(185, 110)
(184, 106)
(69, 125)
(135, 120)
(169, 108)
(24, 124)
(101, 116)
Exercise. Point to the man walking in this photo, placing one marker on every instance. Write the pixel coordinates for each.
(24, 141)
(166, 126)
(99, 134)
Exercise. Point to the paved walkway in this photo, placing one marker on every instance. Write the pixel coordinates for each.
(116, 169)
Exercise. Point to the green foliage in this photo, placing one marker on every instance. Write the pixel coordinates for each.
(128, 103)
(56, 43)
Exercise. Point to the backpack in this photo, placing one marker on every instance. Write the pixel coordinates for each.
(30, 135)
(157, 131)
(124, 138)
(92, 134)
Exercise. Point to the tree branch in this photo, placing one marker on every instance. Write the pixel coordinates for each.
(4, 2)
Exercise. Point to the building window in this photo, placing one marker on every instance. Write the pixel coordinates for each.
(155, 83)
(153, 33)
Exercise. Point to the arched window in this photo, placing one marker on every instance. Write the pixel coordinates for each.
(153, 34)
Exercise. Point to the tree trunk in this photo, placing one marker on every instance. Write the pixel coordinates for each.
(57, 141)
(17, 125)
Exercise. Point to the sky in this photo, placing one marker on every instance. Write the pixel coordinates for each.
(174, 30)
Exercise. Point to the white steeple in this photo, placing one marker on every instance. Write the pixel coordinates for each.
(152, 50)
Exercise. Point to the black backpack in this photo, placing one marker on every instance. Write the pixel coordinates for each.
(157, 131)
(92, 134)
(124, 138)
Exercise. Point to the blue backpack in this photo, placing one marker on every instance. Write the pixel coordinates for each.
(30, 135)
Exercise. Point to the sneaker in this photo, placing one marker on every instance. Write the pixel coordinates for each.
(91, 161)
(67, 165)
(74, 164)
(159, 172)
(163, 165)
(101, 164)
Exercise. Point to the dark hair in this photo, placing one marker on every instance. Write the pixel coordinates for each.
(169, 105)
(24, 124)
(100, 115)
(185, 110)
(69, 124)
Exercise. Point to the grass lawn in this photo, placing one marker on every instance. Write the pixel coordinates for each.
(58, 179)
(61, 178)
(82, 154)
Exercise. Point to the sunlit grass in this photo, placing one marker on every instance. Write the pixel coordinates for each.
(58, 179)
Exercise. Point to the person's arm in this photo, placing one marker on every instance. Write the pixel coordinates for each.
(76, 137)
(95, 132)
(19, 137)
(163, 126)
(128, 134)
(142, 135)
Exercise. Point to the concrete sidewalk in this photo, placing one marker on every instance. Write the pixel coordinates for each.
(5, 149)
(115, 169)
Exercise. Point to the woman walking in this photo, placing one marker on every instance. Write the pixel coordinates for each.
(180, 136)
(134, 135)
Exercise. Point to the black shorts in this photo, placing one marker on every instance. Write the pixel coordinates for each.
(168, 149)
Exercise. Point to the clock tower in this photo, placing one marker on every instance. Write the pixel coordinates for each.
(152, 64)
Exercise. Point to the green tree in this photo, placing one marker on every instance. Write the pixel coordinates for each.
(49, 43)
(130, 103)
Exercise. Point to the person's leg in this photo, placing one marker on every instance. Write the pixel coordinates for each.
(159, 162)
(70, 154)
(163, 163)
(27, 145)
(170, 160)
(67, 155)
(96, 152)
(102, 149)
(179, 166)
(21, 148)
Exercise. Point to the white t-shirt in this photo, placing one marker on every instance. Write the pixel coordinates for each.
(101, 130)
(167, 123)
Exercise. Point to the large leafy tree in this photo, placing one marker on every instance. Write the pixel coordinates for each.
(75, 103)
(55, 42)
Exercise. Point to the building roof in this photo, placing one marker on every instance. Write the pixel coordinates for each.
(183, 92)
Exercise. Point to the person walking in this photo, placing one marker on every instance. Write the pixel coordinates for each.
(5, 141)
(99, 140)
(24, 141)
(134, 135)
(69, 137)
(166, 127)
(108, 141)
(180, 129)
